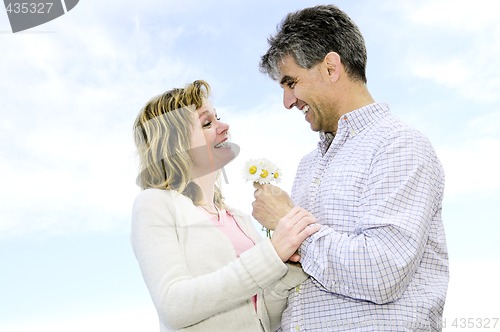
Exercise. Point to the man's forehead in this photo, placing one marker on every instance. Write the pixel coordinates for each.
(288, 68)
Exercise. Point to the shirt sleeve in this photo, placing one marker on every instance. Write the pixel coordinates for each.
(401, 196)
(180, 298)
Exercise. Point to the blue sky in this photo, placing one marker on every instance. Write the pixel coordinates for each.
(70, 90)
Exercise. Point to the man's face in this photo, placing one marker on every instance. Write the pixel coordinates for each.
(310, 90)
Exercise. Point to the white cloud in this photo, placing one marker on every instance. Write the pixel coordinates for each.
(452, 73)
(474, 76)
(487, 125)
(469, 297)
(457, 15)
(471, 167)
(471, 160)
(453, 44)
(133, 319)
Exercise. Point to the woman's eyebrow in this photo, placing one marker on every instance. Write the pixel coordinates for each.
(203, 113)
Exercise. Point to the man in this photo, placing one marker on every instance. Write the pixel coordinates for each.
(379, 261)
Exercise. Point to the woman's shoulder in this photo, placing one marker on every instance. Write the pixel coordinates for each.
(154, 192)
(245, 221)
(154, 197)
(235, 211)
(238, 214)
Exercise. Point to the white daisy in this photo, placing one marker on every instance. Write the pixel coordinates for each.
(251, 170)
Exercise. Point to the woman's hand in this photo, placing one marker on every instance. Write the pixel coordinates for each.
(296, 226)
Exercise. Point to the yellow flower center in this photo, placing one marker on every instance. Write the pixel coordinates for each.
(276, 174)
(252, 169)
(264, 174)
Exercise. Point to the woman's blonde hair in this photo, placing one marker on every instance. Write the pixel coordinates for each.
(162, 132)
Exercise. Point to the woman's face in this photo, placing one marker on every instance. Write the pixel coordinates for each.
(210, 146)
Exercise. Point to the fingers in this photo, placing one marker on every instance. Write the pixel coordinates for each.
(308, 231)
(257, 185)
(268, 188)
(305, 227)
(299, 217)
(295, 258)
(304, 220)
(296, 226)
(303, 223)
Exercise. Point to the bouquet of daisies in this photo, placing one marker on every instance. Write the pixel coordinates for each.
(261, 171)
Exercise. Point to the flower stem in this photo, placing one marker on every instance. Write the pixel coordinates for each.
(268, 233)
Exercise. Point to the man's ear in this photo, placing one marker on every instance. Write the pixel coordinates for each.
(332, 65)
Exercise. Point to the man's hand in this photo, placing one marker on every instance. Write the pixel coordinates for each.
(270, 205)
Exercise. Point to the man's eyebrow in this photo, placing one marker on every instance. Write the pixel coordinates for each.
(286, 79)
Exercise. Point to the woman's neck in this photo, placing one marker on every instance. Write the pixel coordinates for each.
(207, 186)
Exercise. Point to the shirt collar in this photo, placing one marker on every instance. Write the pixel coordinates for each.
(354, 122)
(325, 140)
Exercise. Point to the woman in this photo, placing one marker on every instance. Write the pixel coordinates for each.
(205, 265)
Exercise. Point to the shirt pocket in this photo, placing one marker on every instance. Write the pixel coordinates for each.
(340, 195)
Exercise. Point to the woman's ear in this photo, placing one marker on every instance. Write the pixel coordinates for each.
(333, 66)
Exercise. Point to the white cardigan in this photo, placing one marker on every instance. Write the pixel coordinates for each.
(194, 277)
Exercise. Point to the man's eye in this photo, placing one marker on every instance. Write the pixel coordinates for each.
(291, 85)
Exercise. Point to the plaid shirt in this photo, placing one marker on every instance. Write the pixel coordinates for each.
(379, 261)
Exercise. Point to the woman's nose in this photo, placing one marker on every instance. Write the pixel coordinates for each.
(222, 128)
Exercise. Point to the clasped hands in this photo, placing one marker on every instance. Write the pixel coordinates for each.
(274, 209)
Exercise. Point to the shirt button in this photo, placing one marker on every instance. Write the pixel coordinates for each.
(297, 327)
(297, 289)
(317, 181)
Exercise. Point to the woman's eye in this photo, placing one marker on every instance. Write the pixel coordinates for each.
(208, 123)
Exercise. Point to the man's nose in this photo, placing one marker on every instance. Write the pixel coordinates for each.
(289, 98)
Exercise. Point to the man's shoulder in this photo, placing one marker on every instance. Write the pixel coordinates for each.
(308, 158)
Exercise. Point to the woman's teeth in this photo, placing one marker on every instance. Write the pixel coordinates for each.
(221, 145)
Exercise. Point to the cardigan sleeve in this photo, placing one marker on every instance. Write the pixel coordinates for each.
(275, 297)
(180, 298)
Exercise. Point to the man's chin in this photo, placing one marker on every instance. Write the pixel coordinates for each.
(314, 127)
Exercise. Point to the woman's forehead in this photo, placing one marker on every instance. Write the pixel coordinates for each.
(206, 108)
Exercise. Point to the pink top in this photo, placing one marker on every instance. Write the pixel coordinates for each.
(230, 228)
